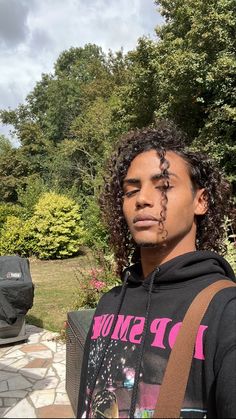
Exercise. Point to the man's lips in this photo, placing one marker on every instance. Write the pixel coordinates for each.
(145, 220)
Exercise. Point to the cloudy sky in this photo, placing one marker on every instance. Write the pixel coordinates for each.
(34, 32)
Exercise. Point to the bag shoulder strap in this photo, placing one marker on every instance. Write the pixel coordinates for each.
(175, 379)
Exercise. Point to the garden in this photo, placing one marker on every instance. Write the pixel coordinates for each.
(69, 124)
(62, 286)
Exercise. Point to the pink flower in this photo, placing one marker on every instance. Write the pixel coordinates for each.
(94, 272)
(98, 285)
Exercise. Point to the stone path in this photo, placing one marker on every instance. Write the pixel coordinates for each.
(32, 377)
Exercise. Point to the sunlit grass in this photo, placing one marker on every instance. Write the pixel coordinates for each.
(55, 290)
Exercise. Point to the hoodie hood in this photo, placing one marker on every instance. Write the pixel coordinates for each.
(190, 266)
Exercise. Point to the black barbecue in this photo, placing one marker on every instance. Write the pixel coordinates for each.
(16, 297)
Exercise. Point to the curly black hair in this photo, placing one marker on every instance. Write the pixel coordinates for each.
(203, 172)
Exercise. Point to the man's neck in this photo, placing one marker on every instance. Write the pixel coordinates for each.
(152, 257)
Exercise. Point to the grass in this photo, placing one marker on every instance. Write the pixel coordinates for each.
(55, 290)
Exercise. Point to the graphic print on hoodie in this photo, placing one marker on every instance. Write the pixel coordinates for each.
(134, 330)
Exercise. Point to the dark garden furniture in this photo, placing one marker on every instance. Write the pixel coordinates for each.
(78, 323)
(16, 298)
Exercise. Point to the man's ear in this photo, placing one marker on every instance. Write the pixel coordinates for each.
(201, 202)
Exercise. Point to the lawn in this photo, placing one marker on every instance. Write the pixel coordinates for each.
(56, 287)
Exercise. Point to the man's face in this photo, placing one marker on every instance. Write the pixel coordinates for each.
(143, 199)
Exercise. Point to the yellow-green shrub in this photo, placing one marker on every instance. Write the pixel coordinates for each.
(15, 237)
(7, 209)
(56, 227)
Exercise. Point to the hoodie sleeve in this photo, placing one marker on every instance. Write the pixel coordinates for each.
(225, 363)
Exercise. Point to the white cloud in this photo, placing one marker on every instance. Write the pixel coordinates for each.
(35, 32)
(13, 27)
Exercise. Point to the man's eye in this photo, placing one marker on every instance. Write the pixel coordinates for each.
(130, 193)
(164, 187)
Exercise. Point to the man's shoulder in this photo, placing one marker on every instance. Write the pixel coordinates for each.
(114, 292)
(223, 304)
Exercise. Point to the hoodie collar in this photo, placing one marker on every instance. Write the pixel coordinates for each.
(190, 266)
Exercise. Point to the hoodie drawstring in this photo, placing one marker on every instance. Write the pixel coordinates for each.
(140, 354)
(108, 339)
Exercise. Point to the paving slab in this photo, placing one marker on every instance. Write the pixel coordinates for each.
(55, 411)
(23, 409)
(32, 377)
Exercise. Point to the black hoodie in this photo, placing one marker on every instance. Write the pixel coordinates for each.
(134, 329)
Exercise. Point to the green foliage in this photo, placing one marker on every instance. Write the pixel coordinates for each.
(92, 144)
(14, 237)
(81, 75)
(95, 280)
(56, 227)
(17, 165)
(7, 209)
(187, 75)
(65, 126)
(72, 118)
(96, 235)
(230, 242)
(196, 72)
(5, 145)
(137, 96)
(29, 195)
(13, 173)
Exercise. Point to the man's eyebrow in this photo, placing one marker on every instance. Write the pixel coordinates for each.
(157, 176)
(131, 181)
(161, 176)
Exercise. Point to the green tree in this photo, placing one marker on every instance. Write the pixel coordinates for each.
(186, 75)
(13, 173)
(196, 71)
(65, 126)
(5, 145)
(93, 140)
(136, 97)
(81, 74)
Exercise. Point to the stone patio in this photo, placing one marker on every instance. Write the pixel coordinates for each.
(32, 377)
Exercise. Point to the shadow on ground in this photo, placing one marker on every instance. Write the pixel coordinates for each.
(30, 319)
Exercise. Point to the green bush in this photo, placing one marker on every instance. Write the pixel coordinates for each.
(96, 279)
(30, 194)
(56, 227)
(15, 237)
(96, 234)
(7, 209)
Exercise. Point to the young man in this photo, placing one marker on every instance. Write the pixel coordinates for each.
(164, 206)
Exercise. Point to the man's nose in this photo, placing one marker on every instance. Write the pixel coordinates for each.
(144, 198)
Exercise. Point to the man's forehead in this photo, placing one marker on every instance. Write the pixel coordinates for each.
(171, 164)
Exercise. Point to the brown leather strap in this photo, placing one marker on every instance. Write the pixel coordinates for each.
(175, 379)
